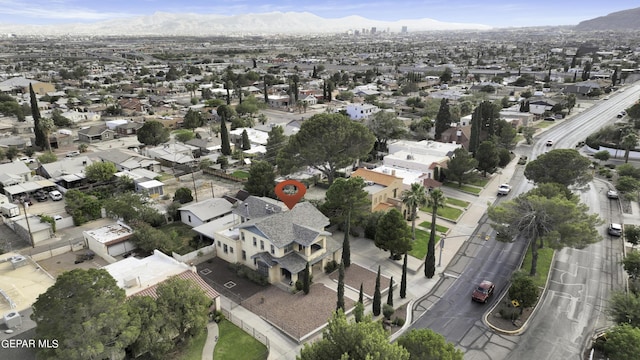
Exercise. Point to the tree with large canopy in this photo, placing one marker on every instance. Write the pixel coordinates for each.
(393, 234)
(426, 344)
(85, 312)
(459, 168)
(563, 166)
(551, 220)
(153, 133)
(342, 339)
(385, 126)
(326, 142)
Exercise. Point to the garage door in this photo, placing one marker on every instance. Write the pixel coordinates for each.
(120, 248)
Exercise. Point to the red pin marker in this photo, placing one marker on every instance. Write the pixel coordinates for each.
(288, 198)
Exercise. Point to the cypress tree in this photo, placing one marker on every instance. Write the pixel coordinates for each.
(224, 138)
(306, 279)
(361, 296)
(39, 134)
(246, 144)
(403, 280)
(266, 94)
(390, 294)
(443, 119)
(377, 301)
(340, 302)
(346, 246)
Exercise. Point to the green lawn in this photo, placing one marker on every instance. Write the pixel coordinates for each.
(478, 181)
(419, 248)
(545, 255)
(234, 343)
(544, 124)
(193, 350)
(446, 212)
(467, 188)
(439, 228)
(240, 174)
(457, 202)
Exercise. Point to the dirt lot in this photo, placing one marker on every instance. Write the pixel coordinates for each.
(65, 262)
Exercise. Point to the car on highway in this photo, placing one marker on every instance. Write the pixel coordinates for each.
(504, 189)
(549, 142)
(483, 292)
(615, 229)
(612, 194)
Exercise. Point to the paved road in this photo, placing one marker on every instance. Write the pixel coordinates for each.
(581, 280)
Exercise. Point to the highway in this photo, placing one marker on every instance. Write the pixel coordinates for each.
(581, 280)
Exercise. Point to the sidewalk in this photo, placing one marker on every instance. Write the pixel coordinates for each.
(365, 254)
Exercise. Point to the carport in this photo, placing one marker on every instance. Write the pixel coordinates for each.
(27, 188)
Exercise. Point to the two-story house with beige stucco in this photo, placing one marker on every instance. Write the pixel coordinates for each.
(385, 190)
(277, 242)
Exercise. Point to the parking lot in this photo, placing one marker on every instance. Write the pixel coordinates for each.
(66, 262)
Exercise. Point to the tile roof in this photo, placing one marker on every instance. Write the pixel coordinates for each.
(187, 275)
(376, 177)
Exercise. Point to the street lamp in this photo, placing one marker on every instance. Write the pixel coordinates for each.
(444, 236)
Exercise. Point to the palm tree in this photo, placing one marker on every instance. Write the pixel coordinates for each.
(629, 142)
(435, 201)
(47, 126)
(414, 199)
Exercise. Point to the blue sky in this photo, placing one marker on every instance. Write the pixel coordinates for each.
(509, 13)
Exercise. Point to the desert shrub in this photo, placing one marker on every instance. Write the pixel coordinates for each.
(331, 267)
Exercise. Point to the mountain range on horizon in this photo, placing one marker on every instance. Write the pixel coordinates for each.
(190, 24)
(184, 24)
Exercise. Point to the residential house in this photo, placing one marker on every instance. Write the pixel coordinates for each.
(256, 138)
(141, 277)
(14, 173)
(176, 155)
(95, 133)
(276, 243)
(583, 88)
(361, 111)
(128, 160)
(18, 85)
(385, 190)
(540, 106)
(309, 100)
(109, 241)
(202, 212)
(128, 129)
(458, 135)
(131, 106)
(425, 156)
(68, 172)
(11, 141)
(279, 101)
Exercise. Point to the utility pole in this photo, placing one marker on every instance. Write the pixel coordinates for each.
(26, 217)
(193, 177)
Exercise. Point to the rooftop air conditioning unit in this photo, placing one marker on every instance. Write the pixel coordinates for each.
(13, 319)
(130, 282)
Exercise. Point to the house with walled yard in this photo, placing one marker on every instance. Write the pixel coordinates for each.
(275, 242)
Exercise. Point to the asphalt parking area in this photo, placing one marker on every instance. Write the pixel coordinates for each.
(218, 275)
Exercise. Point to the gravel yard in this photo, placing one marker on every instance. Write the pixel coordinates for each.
(355, 275)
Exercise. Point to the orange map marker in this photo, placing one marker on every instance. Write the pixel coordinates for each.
(290, 199)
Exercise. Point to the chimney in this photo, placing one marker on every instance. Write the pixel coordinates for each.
(393, 172)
